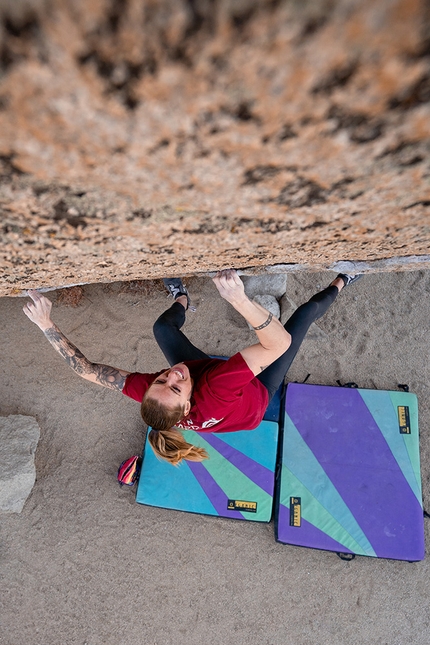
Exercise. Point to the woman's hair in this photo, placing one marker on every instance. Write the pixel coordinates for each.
(167, 441)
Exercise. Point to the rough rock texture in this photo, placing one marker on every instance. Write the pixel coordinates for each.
(146, 137)
(19, 436)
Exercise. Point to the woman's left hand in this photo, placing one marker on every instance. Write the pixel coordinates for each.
(39, 311)
(230, 286)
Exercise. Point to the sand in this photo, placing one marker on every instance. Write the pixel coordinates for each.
(83, 563)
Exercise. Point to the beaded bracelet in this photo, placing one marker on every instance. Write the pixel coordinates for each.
(268, 321)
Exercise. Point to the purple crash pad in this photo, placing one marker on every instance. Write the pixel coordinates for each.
(350, 473)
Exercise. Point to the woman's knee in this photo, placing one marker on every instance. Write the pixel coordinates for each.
(304, 315)
(160, 328)
(310, 308)
(168, 321)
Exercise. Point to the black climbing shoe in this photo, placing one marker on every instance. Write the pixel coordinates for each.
(176, 288)
(349, 279)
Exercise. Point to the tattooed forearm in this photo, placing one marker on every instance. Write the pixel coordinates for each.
(109, 376)
(96, 372)
(68, 351)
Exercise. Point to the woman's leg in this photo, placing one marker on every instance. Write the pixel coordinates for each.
(173, 343)
(297, 325)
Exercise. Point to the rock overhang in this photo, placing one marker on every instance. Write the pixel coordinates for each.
(194, 139)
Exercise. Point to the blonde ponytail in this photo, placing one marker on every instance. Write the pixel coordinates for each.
(171, 446)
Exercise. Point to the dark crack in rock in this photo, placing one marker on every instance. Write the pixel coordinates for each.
(257, 174)
(338, 77)
(301, 192)
(361, 127)
(413, 95)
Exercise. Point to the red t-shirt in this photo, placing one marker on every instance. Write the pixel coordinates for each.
(226, 395)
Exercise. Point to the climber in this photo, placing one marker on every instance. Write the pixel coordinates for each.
(198, 392)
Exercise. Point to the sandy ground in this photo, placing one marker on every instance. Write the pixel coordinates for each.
(83, 563)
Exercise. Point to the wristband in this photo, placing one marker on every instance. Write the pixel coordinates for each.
(268, 321)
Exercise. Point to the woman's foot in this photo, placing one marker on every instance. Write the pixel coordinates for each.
(183, 300)
(180, 294)
(344, 279)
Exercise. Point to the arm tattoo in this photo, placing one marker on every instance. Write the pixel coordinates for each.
(267, 322)
(104, 375)
(71, 354)
(109, 376)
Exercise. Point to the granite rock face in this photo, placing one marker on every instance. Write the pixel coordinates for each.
(145, 137)
(19, 436)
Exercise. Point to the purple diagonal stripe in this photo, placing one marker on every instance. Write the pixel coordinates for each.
(258, 474)
(305, 535)
(216, 495)
(345, 439)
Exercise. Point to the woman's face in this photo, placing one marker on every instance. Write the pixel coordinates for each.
(173, 387)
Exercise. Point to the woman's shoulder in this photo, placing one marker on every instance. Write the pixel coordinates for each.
(137, 383)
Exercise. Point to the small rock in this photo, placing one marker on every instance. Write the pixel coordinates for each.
(19, 436)
(274, 285)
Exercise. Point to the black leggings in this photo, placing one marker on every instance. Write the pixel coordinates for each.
(177, 348)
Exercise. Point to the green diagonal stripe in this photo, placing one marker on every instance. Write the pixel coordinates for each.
(300, 461)
(382, 405)
(231, 480)
(412, 441)
(315, 513)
